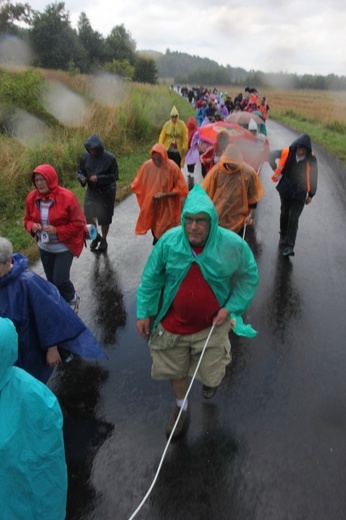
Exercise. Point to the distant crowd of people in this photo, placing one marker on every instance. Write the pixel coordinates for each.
(217, 106)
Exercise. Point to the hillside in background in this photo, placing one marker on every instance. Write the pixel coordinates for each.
(186, 68)
(194, 70)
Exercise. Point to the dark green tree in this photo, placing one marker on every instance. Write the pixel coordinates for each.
(120, 45)
(10, 14)
(145, 70)
(92, 42)
(54, 41)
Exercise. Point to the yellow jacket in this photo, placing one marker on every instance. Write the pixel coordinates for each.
(176, 134)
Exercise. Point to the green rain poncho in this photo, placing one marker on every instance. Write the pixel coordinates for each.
(227, 264)
(33, 477)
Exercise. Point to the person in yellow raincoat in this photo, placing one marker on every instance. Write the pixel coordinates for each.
(174, 136)
(159, 187)
(235, 189)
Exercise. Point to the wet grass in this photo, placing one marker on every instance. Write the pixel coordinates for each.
(127, 117)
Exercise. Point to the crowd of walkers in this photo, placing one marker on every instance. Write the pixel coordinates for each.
(198, 280)
(218, 105)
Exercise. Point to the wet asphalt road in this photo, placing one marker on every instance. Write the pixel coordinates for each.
(271, 444)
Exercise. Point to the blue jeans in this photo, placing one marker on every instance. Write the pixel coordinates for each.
(57, 270)
(291, 210)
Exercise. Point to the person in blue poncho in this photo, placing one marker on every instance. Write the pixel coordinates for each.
(47, 327)
(33, 475)
(197, 275)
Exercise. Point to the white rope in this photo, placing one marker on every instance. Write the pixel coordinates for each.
(244, 230)
(245, 224)
(174, 427)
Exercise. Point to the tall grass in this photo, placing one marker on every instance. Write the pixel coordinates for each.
(321, 114)
(127, 117)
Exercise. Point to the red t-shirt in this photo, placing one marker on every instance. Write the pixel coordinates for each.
(194, 305)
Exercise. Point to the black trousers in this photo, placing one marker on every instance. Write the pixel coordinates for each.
(57, 270)
(175, 156)
(291, 210)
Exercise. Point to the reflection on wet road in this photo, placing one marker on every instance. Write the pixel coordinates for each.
(271, 444)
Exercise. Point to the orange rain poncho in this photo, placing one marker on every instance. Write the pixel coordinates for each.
(159, 215)
(232, 185)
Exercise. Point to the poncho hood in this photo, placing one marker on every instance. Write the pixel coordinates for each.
(8, 349)
(19, 264)
(191, 124)
(159, 148)
(232, 157)
(303, 140)
(198, 201)
(95, 142)
(49, 173)
(174, 112)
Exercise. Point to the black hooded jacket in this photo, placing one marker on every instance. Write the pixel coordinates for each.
(104, 166)
(293, 183)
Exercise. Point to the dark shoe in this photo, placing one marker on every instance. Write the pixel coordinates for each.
(190, 182)
(95, 242)
(208, 392)
(182, 425)
(103, 245)
(288, 251)
(65, 355)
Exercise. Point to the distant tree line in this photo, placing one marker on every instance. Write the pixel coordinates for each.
(193, 70)
(56, 45)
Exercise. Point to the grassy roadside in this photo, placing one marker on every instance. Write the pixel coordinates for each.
(332, 141)
(127, 117)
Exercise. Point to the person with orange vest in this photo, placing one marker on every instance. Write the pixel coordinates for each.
(264, 109)
(296, 174)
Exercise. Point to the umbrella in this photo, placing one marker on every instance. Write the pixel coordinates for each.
(254, 152)
(243, 118)
(236, 132)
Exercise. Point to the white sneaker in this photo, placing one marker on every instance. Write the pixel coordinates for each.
(74, 304)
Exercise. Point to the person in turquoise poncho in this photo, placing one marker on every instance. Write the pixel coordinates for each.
(202, 275)
(33, 475)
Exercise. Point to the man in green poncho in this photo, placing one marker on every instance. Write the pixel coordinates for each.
(201, 275)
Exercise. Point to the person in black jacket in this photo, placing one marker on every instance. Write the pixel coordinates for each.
(98, 169)
(296, 172)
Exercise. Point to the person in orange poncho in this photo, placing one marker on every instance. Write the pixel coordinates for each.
(159, 185)
(235, 189)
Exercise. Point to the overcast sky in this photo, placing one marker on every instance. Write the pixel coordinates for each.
(298, 36)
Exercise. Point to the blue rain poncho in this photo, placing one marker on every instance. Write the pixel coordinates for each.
(226, 262)
(33, 475)
(43, 319)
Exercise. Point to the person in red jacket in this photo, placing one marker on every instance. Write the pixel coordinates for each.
(53, 215)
